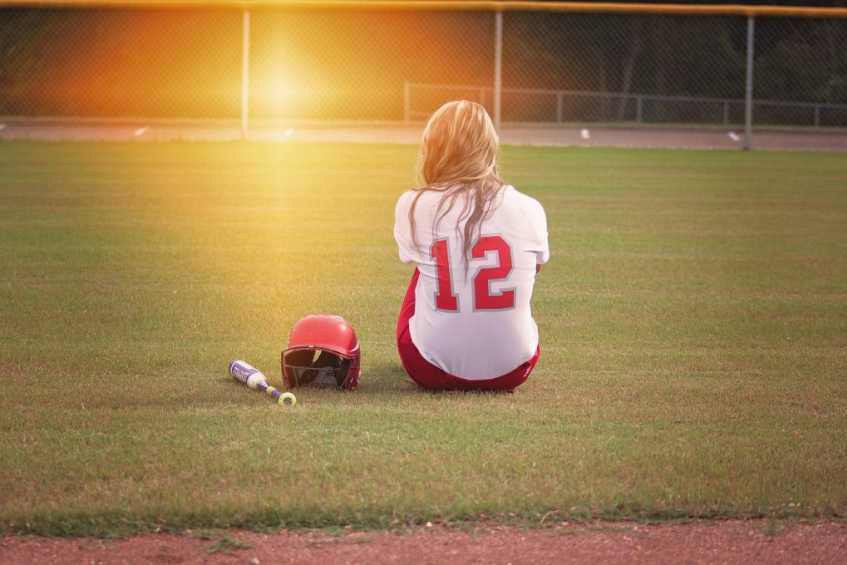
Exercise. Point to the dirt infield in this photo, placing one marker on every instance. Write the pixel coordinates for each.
(741, 542)
(565, 136)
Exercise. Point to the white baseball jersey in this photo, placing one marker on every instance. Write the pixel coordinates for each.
(475, 324)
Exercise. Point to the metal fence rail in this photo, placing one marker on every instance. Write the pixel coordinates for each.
(562, 106)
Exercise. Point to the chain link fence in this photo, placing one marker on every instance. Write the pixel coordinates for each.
(330, 66)
(649, 69)
(119, 63)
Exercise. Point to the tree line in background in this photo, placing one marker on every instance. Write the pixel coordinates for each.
(795, 59)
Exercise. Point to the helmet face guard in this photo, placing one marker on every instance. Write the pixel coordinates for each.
(320, 367)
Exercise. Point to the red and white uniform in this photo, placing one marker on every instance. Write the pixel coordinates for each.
(473, 324)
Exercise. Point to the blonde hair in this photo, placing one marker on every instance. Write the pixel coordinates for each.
(458, 157)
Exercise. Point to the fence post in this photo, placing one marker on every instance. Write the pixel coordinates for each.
(407, 102)
(748, 103)
(559, 106)
(817, 115)
(245, 74)
(498, 64)
(638, 109)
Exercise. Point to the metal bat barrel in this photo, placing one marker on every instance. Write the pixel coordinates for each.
(245, 373)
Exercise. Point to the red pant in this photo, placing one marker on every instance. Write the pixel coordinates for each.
(431, 377)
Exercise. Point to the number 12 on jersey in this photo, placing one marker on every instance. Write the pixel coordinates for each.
(483, 298)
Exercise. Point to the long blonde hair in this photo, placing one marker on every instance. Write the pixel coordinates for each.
(458, 157)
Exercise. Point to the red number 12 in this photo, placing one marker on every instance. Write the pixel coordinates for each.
(483, 298)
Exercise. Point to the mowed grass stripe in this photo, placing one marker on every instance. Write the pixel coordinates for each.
(694, 326)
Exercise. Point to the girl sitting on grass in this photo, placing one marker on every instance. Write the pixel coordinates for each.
(477, 244)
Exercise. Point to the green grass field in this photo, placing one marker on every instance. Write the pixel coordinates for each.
(693, 319)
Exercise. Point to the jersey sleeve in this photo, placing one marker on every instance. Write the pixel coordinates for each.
(538, 228)
(402, 229)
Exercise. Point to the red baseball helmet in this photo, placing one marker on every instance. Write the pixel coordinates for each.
(323, 350)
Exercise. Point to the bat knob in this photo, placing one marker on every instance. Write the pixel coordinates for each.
(287, 399)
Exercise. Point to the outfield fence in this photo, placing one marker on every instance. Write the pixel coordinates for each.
(580, 106)
(395, 62)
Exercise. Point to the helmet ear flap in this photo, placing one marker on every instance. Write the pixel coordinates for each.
(294, 363)
(351, 379)
(288, 377)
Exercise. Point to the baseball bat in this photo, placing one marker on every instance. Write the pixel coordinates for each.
(250, 376)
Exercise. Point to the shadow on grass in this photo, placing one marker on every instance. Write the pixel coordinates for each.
(390, 378)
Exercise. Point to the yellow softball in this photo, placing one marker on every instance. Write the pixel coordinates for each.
(287, 399)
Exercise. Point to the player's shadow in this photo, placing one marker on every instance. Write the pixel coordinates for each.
(389, 378)
(386, 377)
